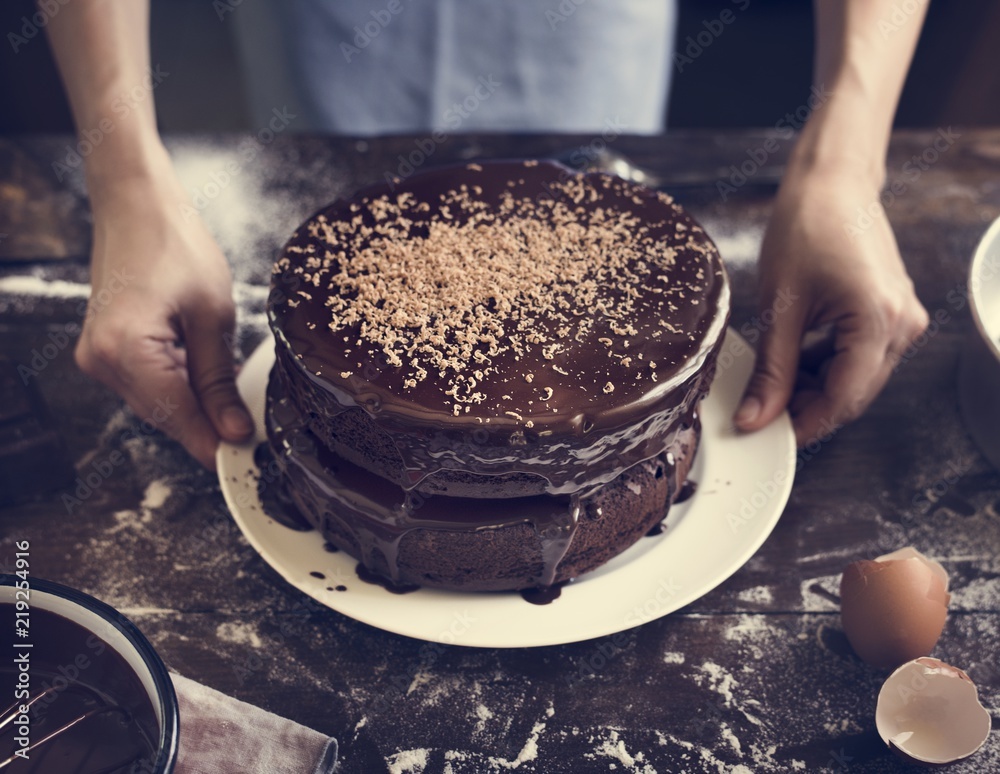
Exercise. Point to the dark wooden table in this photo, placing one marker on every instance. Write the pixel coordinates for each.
(755, 674)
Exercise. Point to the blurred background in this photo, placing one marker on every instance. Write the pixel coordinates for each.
(748, 76)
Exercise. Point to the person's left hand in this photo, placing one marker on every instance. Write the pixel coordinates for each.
(819, 275)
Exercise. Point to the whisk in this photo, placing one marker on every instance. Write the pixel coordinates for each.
(8, 717)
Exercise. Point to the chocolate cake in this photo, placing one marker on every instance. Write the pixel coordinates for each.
(487, 377)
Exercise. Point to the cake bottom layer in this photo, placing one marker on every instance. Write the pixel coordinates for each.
(468, 543)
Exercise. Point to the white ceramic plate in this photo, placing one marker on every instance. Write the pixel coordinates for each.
(979, 372)
(743, 485)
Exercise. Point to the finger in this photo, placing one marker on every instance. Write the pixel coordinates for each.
(803, 397)
(806, 381)
(818, 347)
(774, 374)
(154, 382)
(212, 374)
(857, 373)
(911, 328)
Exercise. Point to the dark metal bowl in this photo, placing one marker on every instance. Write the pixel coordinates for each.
(126, 639)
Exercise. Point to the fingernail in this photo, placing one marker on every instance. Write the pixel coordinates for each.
(235, 422)
(749, 410)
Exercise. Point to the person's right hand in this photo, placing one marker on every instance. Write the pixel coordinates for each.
(853, 288)
(161, 315)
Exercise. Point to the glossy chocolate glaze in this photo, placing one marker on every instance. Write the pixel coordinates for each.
(379, 515)
(380, 580)
(581, 437)
(274, 498)
(686, 492)
(370, 517)
(545, 595)
(77, 678)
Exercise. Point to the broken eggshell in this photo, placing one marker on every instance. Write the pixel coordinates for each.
(893, 608)
(929, 712)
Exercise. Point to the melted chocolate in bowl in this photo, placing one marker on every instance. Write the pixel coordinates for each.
(76, 705)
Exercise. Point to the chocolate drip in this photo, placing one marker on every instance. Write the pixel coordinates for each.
(274, 499)
(360, 503)
(579, 464)
(556, 536)
(543, 595)
(687, 492)
(380, 580)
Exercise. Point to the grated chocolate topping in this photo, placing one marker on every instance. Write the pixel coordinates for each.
(501, 291)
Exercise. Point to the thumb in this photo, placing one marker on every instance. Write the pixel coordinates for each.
(773, 379)
(208, 340)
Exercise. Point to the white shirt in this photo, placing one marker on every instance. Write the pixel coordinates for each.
(369, 67)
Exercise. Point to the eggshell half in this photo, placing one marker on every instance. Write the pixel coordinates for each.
(929, 712)
(893, 609)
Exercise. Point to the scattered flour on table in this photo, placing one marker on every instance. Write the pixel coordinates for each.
(408, 761)
(739, 244)
(753, 630)
(702, 756)
(721, 680)
(250, 300)
(157, 493)
(978, 594)
(227, 209)
(37, 286)
(249, 297)
(420, 678)
(484, 715)
(239, 634)
(529, 751)
(125, 520)
(614, 747)
(758, 594)
(844, 726)
(730, 737)
(840, 552)
(249, 222)
(246, 293)
(817, 602)
(453, 755)
(433, 688)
